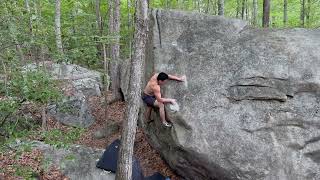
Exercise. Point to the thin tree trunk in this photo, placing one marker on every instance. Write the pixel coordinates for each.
(105, 65)
(285, 12)
(58, 27)
(111, 31)
(129, 28)
(39, 23)
(213, 7)
(99, 18)
(5, 77)
(115, 71)
(266, 13)
(100, 27)
(308, 12)
(243, 8)
(247, 10)
(221, 7)
(30, 28)
(255, 12)
(238, 8)
(124, 169)
(302, 13)
(44, 118)
(208, 5)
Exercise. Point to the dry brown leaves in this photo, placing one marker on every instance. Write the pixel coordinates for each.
(149, 158)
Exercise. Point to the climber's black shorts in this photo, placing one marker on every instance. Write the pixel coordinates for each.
(149, 100)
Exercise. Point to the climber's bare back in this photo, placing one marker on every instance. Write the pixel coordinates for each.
(152, 86)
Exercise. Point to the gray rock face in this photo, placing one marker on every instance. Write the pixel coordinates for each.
(109, 129)
(77, 162)
(72, 111)
(250, 107)
(78, 84)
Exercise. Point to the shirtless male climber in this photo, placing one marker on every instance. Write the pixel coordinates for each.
(152, 95)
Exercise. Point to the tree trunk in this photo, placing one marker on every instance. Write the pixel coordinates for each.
(266, 13)
(208, 6)
(39, 51)
(115, 71)
(44, 118)
(129, 27)
(247, 10)
(30, 54)
(58, 27)
(110, 32)
(302, 13)
(238, 8)
(98, 17)
(285, 12)
(243, 8)
(255, 12)
(221, 7)
(100, 28)
(308, 12)
(5, 77)
(124, 169)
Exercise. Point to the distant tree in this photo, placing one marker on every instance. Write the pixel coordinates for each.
(243, 9)
(285, 12)
(255, 12)
(302, 13)
(221, 7)
(58, 27)
(238, 8)
(308, 12)
(266, 13)
(115, 53)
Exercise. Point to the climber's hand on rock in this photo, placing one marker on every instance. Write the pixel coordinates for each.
(182, 78)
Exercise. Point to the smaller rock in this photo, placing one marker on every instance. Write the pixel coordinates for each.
(109, 129)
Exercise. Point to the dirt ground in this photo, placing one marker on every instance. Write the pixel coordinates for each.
(149, 158)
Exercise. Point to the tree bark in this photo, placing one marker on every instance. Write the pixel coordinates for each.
(129, 27)
(238, 8)
(110, 32)
(208, 7)
(30, 28)
(124, 169)
(285, 12)
(221, 7)
(302, 12)
(308, 12)
(99, 18)
(243, 8)
(247, 10)
(255, 12)
(44, 118)
(58, 27)
(115, 71)
(5, 77)
(266, 13)
(100, 46)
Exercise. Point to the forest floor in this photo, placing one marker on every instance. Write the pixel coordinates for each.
(150, 160)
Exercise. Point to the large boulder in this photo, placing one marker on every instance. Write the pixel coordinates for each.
(76, 162)
(249, 108)
(78, 85)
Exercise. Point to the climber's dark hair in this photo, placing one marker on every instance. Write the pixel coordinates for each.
(162, 76)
